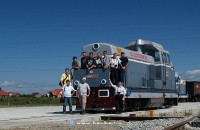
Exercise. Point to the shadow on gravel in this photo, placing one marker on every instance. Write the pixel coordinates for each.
(60, 112)
(87, 112)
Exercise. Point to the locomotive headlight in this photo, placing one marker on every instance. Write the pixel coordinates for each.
(96, 46)
(103, 81)
(76, 82)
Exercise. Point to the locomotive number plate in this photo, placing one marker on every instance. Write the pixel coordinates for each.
(91, 76)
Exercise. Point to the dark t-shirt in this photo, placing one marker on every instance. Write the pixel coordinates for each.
(90, 62)
(83, 62)
(124, 61)
(75, 64)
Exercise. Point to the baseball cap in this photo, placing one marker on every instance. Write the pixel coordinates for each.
(84, 78)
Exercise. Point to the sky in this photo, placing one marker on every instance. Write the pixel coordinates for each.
(38, 38)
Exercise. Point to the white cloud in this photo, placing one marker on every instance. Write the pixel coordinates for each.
(193, 72)
(7, 83)
(193, 75)
(20, 86)
(27, 87)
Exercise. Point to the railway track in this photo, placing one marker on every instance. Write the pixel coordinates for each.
(176, 126)
(181, 125)
(132, 118)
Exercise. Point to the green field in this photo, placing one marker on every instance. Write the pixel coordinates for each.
(29, 101)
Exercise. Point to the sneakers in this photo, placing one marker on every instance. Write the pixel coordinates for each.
(71, 112)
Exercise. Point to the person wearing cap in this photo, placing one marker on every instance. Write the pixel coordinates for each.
(83, 91)
(124, 64)
(68, 91)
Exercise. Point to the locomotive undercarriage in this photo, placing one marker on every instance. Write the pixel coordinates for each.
(132, 104)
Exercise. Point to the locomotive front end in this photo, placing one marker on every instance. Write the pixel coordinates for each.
(101, 94)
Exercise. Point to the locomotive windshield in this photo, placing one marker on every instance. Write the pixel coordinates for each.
(154, 53)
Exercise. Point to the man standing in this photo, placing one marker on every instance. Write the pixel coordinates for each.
(83, 60)
(124, 62)
(120, 93)
(91, 62)
(75, 63)
(65, 76)
(83, 92)
(114, 68)
(105, 60)
(68, 91)
(98, 61)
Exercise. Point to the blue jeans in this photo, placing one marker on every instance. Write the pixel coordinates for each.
(69, 101)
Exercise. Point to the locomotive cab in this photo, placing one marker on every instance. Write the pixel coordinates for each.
(159, 76)
(150, 48)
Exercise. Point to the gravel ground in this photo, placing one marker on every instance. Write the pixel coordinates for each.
(66, 126)
(155, 124)
(110, 125)
(51, 118)
(150, 124)
(191, 128)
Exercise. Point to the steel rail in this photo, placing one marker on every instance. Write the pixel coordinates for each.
(180, 125)
(130, 118)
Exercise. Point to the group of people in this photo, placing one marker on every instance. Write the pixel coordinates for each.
(83, 91)
(117, 65)
(117, 70)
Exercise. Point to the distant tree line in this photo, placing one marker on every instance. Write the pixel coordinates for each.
(29, 100)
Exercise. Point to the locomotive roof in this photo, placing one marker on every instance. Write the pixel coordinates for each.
(110, 48)
(146, 42)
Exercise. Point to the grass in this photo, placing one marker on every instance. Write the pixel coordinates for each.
(29, 101)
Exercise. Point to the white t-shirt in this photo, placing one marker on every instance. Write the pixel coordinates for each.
(120, 90)
(67, 91)
(83, 89)
(115, 62)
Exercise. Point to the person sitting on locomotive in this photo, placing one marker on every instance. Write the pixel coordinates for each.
(124, 62)
(75, 63)
(120, 93)
(115, 63)
(90, 62)
(105, 60)
(83, 60)
(98, 61)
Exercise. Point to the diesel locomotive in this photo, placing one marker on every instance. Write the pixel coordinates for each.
(149, 77)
